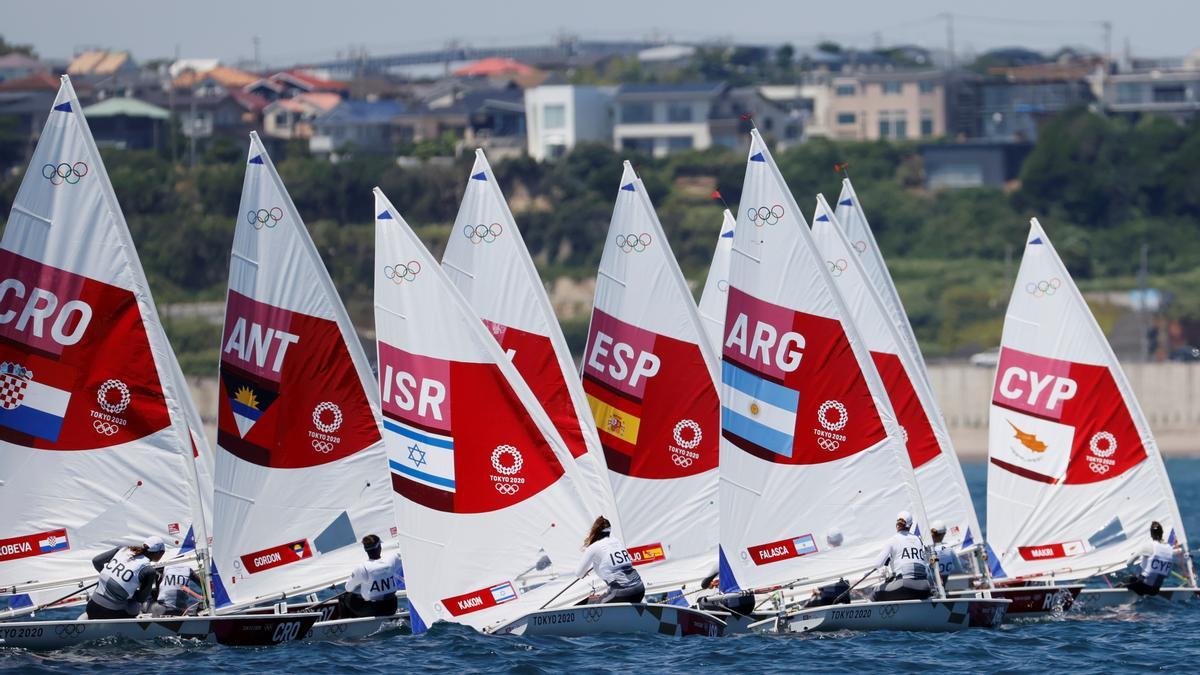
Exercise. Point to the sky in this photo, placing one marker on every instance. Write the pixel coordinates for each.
(299, 31)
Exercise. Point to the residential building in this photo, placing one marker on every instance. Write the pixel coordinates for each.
(26, 102)
(355, 126)
(213, 113)
(659, 119)
(973, 163)
(101, 62)
(290, 118)
(500, 70)
(287, 84)
(1017, 101)
(895, 105)
(15, 66)
(213, 80)
(1171, 93)
(128, 123)
(560, 116)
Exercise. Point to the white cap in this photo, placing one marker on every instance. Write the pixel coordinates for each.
(154, 544)
(937, 526)
(906, 517)
(834, 537)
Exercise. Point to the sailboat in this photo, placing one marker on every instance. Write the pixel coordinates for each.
(491, 499)
(716, 285)
(813, 466)
(301, 469)
(1074, 474)
(488, 262)
(101, 441)
(650, 378)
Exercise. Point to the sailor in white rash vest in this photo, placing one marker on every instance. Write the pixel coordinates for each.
(944, 555)
(126, 580)
(612, 562)
(1154, 563)
(906, 557)
(371, 589)
(173, 593)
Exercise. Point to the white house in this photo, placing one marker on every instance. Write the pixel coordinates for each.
(558, 116)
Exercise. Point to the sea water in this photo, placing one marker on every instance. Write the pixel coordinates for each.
(1152, 635)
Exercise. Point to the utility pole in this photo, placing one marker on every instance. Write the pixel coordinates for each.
(1107, 25)
(257, 59)
(949, 39)
(1144, 301)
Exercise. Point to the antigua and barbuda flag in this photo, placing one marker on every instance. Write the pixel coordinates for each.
(247, 400)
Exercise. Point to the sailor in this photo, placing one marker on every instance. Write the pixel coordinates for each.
(947, 559)
(611, 560)
(126, 580)
(1154, 562)
(371, 589)
(174, 590)
(906, 558)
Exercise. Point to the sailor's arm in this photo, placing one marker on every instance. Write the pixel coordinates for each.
(101, 560)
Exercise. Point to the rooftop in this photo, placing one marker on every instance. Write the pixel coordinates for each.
(230, 78)
(129, 107)
(98, 62)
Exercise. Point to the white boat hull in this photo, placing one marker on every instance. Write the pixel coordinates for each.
(616, 618)
(1099, 598)
(354, 629)
(241, 631)
(908, 615)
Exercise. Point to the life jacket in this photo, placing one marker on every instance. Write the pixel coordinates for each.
(175, 579)
(376, 579)
(947, 560)
(1157, 565)
(908, 558)
(121, 575)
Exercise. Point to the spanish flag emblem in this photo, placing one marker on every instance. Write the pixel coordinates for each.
(614, 421)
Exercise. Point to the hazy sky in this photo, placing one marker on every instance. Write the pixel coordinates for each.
(298, 30)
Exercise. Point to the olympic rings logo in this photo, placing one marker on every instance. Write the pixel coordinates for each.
(1043, 288)
(860, 246)
(105, 428)
(62, 172)
(509, 451)
(723, 286)
(690, 425)
(102, 396)
(320, 424)
(888, 611)
(482, 233)
(322, 446)
(593, 615)
(842, 419)
(402, 272)
(69, 630)
(268, 217)
(628, 243)
(836, 267)
(828, 444)
(682, 461)
(1097, 467)
(1110, 444)
(509, 489)
(765, 215)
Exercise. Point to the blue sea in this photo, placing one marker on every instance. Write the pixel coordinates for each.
(1149, 636)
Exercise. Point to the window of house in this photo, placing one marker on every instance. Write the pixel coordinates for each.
(926, 123)
(900, 126)
(554, 116)
(846, 118)
(635, 113)
(846, 90)
(892, 87)
(927, 87)
(555, 150)
(281, 119)
(679, 112)
(638, 144)
(885, 125)
(679, 143)
(1171, 93)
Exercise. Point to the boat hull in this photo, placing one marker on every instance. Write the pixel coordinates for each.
(1031, 602)
(939, 616)
(355, 628)
(1091, 599)
(238, 631)
(616, 618)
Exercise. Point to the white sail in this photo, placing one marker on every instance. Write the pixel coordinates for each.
(1075, 477)
(716, 285)
(485, 486)
(95, 448)
(650, 378)
(487, 260)
(943, 488)
(850, 214)
(301, 471)
(813, 471)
